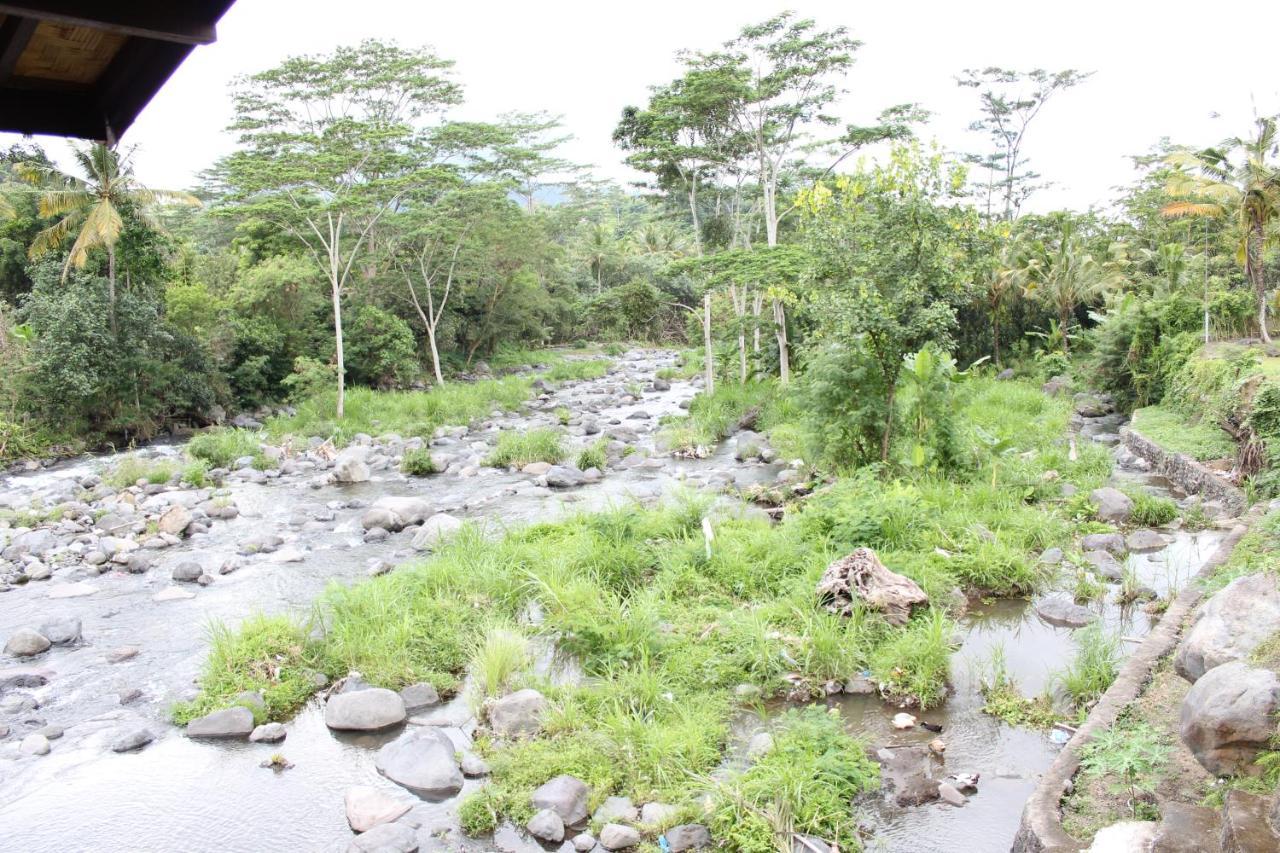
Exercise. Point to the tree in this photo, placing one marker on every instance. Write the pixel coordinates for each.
(600, 246)
(1064, 273)
(1247, 190)
(1010, 101)
(1001, 276)
(328, 149)
(90, 208)
(890, 266)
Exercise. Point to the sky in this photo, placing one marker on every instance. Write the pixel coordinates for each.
(1193, 72)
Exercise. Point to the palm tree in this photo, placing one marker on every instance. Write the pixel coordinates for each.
(1000, 281)
(600, 247)
(1068, 275)
(89, 207)
(1247, 190)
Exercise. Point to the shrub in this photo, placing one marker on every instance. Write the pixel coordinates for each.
(577, 370)
(915, 664)
(418, 462)
(1129, 756)
(380, 348)
(222, 446)
(594, 455)
(517, 449)
(196, 473)
(844, 395)
(496, 661)
(1095, 666)
(1152, 510)
(131, 469)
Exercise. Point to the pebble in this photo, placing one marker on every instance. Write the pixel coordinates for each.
(133, 739)
(35, 744)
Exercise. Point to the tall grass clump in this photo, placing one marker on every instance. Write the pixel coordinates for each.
(714, 416)
(915, 663)
(594, 455)
(516, 449)
(418, 462)
(265, 653)
(408, 413)
(805, 784)
(1151, 510)
(497, 660)
(128, 471)
(1095, 666)
(222, 446)
(577, 370)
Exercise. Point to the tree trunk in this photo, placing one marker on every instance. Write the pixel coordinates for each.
(1064, 318)
(995, 335)
(342, 368)
(709, 365)
(111, 285)
(435, 354)
(693, 212)
(757, 303)
(888, 425)
(1257, 275)
(780, 328)
(739, 297)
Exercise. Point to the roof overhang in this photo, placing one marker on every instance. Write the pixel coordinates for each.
(87, 68)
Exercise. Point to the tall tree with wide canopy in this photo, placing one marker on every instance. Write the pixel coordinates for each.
(1239, 180)
(328, 148)
(88, 208)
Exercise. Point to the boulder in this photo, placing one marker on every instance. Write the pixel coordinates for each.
(566, 796)
(1061, 611)
(352, 465)
(435, 530)
(1246, 824)
(862, 578)
(1145, 540)
(364, 710)
(368, 806)
(395, 513)
(616, 809)
(25, 643)
(1230, 625)
(174, 521)
(268, 733)
(188, 571)
(1108, 566)
(385, 838)
(132, 739)
(34, 744)
(227, 723)
(657, 814)
(536, 469)
(687, 836)
(518, 714)
(1112, 543)
(63, 631)
(1186, 828)
(1127, 836)
(546, 825)
(418, 696)
(564, 477)
(1113, 505)
(584, 842)
(615, 836)
(1229, 716)
(422, 760)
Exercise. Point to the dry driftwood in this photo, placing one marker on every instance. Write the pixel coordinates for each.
(860, 578)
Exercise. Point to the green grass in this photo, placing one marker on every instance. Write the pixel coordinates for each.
(1255, 552)
(577, 370)
(266, 653)
(221, 447)
(915, 664)
(131, 469)
(712, 417)
(804, 784)
(418, 462)
(1004, 701)
(409, 413)
(1095, 666)
(1172, 431)
(1151, 510)
(503, 654)
(594, 455)
(196, 473)
(517, 449)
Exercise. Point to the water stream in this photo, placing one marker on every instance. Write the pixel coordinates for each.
(180, 794)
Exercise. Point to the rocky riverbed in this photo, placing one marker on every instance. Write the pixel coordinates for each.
(108, 602)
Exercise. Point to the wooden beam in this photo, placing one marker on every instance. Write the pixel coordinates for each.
(53, 113)
(164, 20)
(15, 33)
(133, 78)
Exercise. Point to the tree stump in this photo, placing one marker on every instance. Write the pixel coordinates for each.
(862, 578)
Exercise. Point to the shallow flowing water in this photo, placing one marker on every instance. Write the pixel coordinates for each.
(180, 794)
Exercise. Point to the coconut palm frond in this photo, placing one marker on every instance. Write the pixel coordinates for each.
(101, 228)
(7, 210)
(54, 236)
(59, 202)
(145, 196)
(1176, 209)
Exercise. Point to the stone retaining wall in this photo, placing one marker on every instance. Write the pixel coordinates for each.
(1041, 828)
(1186, 473)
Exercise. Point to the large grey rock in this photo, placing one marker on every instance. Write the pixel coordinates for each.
(546, 825)
(396, 513)
(385, 838)
(615, 836)
(518, 714)
(1061, 611)
(616, 809)
(228, 723)
(566, 796)
(174, 521)
(1127, 836)
(564, 477)
(1112, 543)
(268, 733)
(1230, 625)
(1186, 828)
(352, 465)
(25, 643)
(368, 806)
(435, 530)
(1113, 505)
(1108, 566)
(422, 760)
(1145, 540)
(188, 571)
(61, 631)
(418, 696)
(34, 744)
(132, 739)
(688, 836)
(1229, 716)
(658, 814)
(364, 710)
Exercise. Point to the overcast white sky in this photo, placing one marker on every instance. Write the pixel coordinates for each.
(1163, 69)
